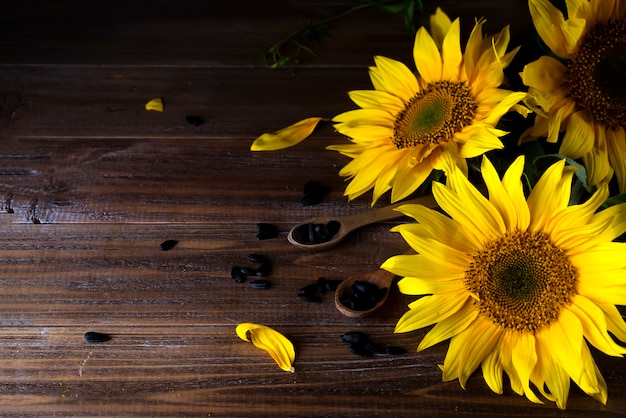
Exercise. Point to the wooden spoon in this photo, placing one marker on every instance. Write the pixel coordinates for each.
(381, 278)
(349, 223)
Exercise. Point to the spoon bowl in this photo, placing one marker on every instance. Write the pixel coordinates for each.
(381, 278)
(347, 224)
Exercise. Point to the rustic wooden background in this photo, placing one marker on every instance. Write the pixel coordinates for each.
(91, 184)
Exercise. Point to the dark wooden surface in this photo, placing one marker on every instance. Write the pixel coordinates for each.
(91, 184)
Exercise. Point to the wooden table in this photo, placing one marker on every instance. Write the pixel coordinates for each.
(91, 183)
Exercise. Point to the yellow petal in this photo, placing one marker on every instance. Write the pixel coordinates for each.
(286, 137)
(430, 309)
(469, 348)
(427, 57)
(514, 187)
(548, 21)
(454, 324)
(579, 135)
(416, 265)
(524, 356)
(155, 104)
(595, 326)
(270, 340)
(451, 52)
(439, 25)
(394, 77)
(376, 99)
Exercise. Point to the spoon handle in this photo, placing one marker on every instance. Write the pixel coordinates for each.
(387, 212)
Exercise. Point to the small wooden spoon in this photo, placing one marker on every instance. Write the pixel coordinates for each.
(351, 222)
(381, 278)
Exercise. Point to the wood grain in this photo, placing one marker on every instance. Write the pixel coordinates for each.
(91, 183)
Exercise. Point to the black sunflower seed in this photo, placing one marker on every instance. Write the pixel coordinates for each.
(168, 245)
(307, 297)
(96, 337)
(375, 347)
(354, 337)
(248, 271)
(394, 350)
(360, 350)
(266, 231)
(237, 275)
(194, 120)
(314, 193)
(310, 289)
(258, 258)
(264, 269)
(260, 284)
(331, 285)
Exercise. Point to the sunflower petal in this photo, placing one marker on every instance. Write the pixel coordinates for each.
(270, 340)
(286, 137)
(427, 57)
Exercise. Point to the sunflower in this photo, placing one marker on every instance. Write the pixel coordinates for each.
(409, 125)
(581, 90)
(517, 285)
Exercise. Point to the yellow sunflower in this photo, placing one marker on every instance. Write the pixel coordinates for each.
(409, 125)
(517, 285)
(582, 90)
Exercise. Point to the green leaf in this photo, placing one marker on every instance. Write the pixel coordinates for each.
(615, 200)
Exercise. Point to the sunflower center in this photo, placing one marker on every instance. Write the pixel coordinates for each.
(521, 281)
(434, 115)
(597, 74)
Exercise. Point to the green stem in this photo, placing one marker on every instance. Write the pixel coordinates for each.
(275, 50)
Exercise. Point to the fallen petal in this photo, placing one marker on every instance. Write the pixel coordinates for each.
(286, 137)
(270, 340)
(155, 104)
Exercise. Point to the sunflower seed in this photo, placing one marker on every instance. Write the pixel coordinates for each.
(266, 231)
(258, 258)
(194, 120)
(309, 298)
(260, 284)
(168, 245)
(237, 275)
(314, 193)
(360, 350)
(375, 347)
(394, 350)
(354, 337)
(248, 271)
(96, 337)
(264, 269)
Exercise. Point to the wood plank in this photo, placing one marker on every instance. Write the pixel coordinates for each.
(174, 351)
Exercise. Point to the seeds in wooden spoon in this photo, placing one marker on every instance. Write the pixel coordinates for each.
(315, 233)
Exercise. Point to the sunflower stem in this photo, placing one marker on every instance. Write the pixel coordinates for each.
(275, 56)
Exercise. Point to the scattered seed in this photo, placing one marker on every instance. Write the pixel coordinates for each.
(266, 231)
(354, 337)
(375, 347)
(248, 271)
(361, 344)
(360, 350)
(395, 351)
(194, 120)
(96, 337)
(314, 193)
(309, 298)
(264, 269)
(260, 284)
(258, 258)
(237, 275)
(168, 245)
(310, 292)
